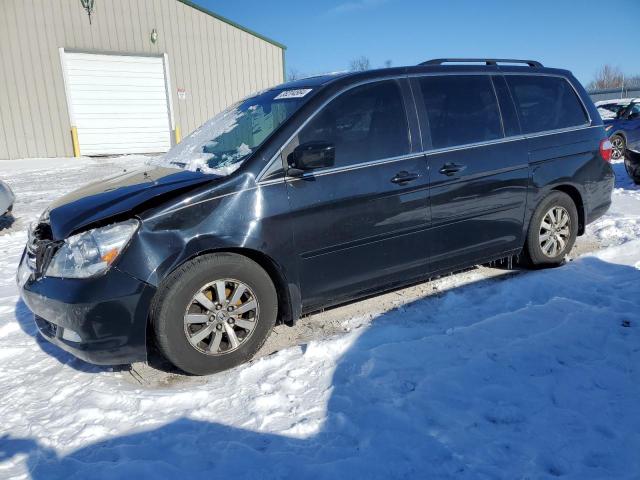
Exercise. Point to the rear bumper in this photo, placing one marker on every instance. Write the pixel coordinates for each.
(100, 320)
(597, 212)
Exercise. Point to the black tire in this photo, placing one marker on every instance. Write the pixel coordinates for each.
(632, 168)
(534, 256)
(619, 145)
(175, 295)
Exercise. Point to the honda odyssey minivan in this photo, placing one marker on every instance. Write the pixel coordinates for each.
(314, 193)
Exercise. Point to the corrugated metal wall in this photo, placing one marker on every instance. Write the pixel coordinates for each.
(214, 62)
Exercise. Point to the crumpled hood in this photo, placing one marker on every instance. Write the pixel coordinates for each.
(117, 195)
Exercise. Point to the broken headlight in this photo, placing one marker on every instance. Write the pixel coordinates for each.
(92, 252)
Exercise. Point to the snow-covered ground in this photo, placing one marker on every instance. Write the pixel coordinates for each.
(535, 375)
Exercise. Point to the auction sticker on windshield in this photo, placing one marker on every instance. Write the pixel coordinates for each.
(297, 93)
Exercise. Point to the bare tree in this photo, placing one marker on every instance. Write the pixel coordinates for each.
(387, 64)
(607, 76)
(360, 64)
(294, 74)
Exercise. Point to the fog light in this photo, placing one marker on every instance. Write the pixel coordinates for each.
(70, 335)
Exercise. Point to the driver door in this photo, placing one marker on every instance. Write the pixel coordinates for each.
(360, 225)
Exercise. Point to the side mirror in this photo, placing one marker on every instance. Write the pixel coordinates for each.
(309, 156)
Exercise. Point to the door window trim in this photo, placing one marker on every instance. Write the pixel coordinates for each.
(278, 155)
(411, 124)
(495, 95)
(425, 152)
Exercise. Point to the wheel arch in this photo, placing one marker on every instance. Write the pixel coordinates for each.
(576, 196)
(285, 303)
(287, 311)
(620, 133)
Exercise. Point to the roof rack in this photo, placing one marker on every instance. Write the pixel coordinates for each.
(487, 61)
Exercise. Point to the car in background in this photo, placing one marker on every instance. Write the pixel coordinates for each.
(624, 133)
(6, 198)
(610, 108)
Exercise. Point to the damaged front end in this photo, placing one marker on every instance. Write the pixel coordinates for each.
(69, 276)
(118, 198)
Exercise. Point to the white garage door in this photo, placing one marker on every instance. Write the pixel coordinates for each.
(118, 103)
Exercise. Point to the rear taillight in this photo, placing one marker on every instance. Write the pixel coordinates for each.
(605, 149)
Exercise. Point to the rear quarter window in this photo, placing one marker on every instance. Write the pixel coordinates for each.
(546, 103)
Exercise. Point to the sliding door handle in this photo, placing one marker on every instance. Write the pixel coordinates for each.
(404, 177)
(452, 168)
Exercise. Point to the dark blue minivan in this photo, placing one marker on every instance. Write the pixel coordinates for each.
(315, 193)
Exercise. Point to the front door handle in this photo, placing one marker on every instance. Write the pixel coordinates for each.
(452, 168)
(404, 177)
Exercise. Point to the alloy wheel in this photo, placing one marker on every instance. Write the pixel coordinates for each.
(221, 317)
(617, 144)
(555, 231)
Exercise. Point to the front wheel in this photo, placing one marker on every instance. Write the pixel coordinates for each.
(214, 313)
(552, 231)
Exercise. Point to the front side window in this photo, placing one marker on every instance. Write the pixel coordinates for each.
(461, 109)
(545, 103)
(365, 123)
(222, 143)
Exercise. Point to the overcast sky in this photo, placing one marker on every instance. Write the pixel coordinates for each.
(324, 36)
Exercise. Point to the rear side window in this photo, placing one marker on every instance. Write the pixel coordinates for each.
(365, 123)
(461, 109)
(545, 103)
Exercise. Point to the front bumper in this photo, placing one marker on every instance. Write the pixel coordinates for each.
(101, 320)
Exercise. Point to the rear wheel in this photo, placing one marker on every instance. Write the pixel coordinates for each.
(214, 313)
(552, 231)
(618, 146)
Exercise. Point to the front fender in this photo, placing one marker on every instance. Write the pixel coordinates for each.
(253, 221)
(622, 133)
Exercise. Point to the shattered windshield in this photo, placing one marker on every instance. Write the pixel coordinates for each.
(222, 143)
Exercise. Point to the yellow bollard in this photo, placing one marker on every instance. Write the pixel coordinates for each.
(178, 134)
(74, 141)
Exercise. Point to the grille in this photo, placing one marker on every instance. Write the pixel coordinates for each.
(40, 248)
(47, 328)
